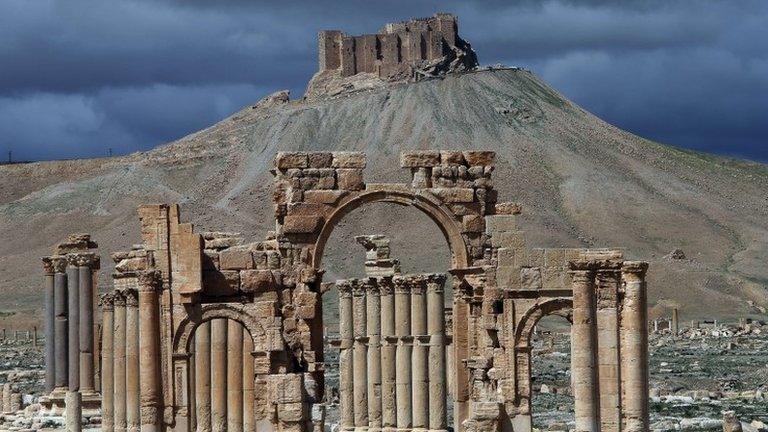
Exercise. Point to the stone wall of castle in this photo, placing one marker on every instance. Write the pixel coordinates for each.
(393, 50)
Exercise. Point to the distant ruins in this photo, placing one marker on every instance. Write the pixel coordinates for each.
(427, 45)
(205, 331)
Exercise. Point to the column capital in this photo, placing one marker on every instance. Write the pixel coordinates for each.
(87, 260)
(582, 266)
(436, 282)
(386, 287)
(149, 280)
(358, 287)
(418, 284)
(345, 288)
(402, 285)
(634, 271)
(107, 301)
(131, 297)
(118, 298)
(48, 267)
(372, 287)
(59, 263)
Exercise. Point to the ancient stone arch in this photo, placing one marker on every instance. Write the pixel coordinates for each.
(425, 202)
(273, 287)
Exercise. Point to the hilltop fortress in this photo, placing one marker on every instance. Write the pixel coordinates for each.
(423, 46)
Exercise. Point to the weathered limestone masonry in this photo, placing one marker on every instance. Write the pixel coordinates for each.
(191, 288)
(69, 295)
(397, 49)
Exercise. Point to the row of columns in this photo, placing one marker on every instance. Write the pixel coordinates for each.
(68, 294)
(610, 377)
(392, 362)
(130, 380)
(223, 378)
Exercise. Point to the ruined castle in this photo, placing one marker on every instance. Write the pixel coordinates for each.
(397, 48)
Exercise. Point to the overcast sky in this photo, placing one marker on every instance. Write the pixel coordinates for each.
(78, 77)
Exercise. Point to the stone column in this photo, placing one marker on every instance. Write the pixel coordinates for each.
(608, 280)
(73, 330)
(150, 285)
(403, 353)
(438, 413)
(234, 376)
(85, 265)
(634, 349)
(132, 401)
(675, 322)
(119, 361)
(107, 370)
(249, 413)
(373, 328)
(203, 376)
(388, 363)
(360, 356)
(219, 375)
(420, 354)
(74, 411)
(346, 369)
(584, 348)
(61, 369)
(49, 318)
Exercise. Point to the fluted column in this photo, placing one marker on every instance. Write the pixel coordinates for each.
(608, 279)
(584, 347)
(634, 348)
(373, 317)
(403, 353)
(61, 335)
(107, 369)
(203, 376)
(150, 285)
(388, 362)
(234, 376)
(73, 315)
(219, 375)
(119, 362)
(132, 402)
(85, 265)
(346, 368)
(438, 413)
(49, 318)
(360, 356)
(249, 413)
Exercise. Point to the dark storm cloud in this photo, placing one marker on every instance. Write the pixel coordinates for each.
(80, 76)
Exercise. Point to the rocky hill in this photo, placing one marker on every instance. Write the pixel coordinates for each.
(581, 181)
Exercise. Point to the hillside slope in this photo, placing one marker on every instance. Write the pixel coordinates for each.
(582, 183)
